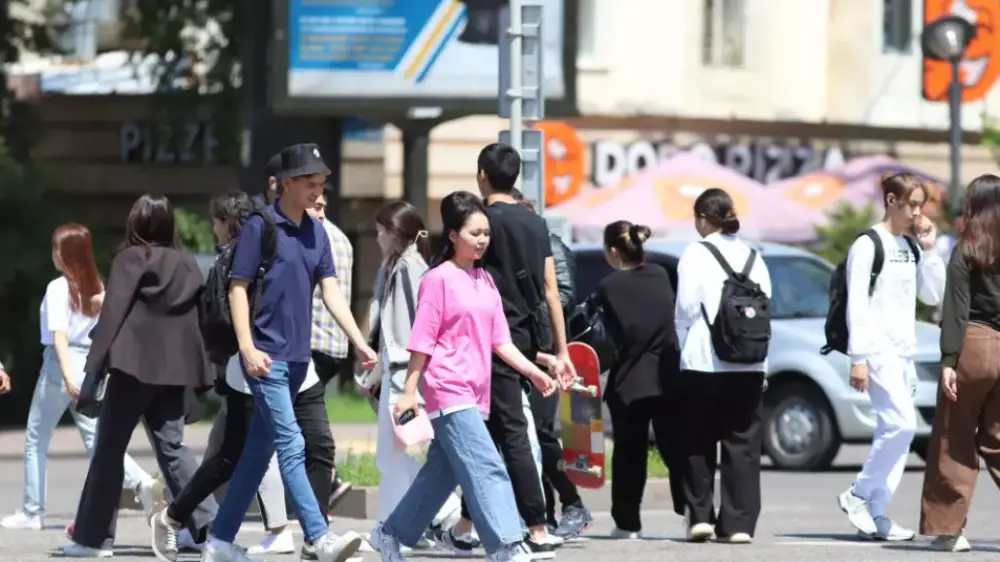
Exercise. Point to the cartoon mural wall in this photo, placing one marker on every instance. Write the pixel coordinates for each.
(981, 67)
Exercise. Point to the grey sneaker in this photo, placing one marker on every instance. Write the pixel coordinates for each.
(511, 553)
(576, 519)
(386, 545)
(164, 537)
(951, 543)
(858, 512)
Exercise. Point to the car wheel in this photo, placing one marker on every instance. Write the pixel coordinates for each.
(920, 447)
(799, 433)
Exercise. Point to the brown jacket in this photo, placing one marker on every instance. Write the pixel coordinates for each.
(149, 321)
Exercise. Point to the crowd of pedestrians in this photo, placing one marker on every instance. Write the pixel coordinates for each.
(470, 346)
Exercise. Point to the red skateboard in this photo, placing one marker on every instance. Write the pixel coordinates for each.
(582, 420)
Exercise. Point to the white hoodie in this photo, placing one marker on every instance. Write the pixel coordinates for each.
(885, 323)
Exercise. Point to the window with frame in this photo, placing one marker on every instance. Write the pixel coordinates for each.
(724, 34)
(897, 26)
(586, 39)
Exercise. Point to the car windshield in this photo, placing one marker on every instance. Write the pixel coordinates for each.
(799, 287)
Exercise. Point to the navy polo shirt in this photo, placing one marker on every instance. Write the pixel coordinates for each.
(283, 325)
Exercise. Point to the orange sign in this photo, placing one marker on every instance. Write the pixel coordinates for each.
(565, 161)
(981, 66)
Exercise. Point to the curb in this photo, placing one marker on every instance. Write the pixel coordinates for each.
(362, 503)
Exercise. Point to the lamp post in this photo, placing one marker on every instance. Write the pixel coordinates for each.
(946, 38)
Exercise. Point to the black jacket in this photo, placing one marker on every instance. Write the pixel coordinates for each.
(565, 271)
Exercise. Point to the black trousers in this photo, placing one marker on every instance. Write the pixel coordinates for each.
(630, 430)
(723, 408)
(327, 367)
(217, 468)
(127, 401)
(509, 429)
(554, 481)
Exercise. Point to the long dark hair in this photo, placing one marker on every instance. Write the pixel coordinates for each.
(979, 226)
(234, 209)
(74, 247)
(716, 206)
(151, 223)
(456, 208)
(403, 222)
(627, 239)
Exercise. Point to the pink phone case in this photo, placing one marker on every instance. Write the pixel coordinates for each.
(417, 431)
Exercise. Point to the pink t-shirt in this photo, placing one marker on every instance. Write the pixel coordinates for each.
(459, 322)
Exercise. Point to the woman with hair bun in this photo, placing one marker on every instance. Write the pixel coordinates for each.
(723, 400)
(637, 387)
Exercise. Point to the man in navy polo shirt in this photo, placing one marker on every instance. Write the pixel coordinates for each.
(275, 353)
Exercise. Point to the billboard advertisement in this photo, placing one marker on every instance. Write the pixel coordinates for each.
(339, 56)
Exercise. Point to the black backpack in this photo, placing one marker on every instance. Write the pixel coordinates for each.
(741, 332)
(836, 316)
(216, 323)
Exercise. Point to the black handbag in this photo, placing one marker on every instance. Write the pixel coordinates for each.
(588, 323)
(91, 394)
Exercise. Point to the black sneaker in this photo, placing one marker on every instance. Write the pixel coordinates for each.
(338, 491)
(462, 545)
(540, 550)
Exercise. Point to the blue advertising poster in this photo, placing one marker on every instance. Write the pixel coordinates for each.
(407, 48)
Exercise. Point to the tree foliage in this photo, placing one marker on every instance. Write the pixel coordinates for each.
(195, 232)
(845, 223)
(197, 44)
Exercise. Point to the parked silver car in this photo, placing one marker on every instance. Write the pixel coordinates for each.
(810, 409)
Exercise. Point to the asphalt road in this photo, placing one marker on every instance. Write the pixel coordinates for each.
(800, 521)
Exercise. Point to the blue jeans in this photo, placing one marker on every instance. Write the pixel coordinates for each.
(462, 454)
(273, 428)
(48, 404)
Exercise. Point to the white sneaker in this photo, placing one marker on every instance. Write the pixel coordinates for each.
(858, 512)
(275, 543)
(218, 551)
(186, 542)
(617, 533)
(887, 530)
(73, 550)
(951, 543)
(737, 538)
(146, 494)
(22, 521)
(553, 540)
(511, 553)
(337, 548)
(386, 545)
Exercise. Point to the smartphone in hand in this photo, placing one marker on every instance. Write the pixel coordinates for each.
(406, 417)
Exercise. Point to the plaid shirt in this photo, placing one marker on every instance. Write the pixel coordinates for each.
(327, 337)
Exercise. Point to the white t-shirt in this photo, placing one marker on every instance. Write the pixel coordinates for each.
(56, 316)
(236, 381)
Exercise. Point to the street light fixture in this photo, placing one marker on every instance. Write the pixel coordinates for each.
(946, 38)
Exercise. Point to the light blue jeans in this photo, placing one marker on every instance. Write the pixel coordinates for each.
(48, 404)
(273, 428)
(461, 454)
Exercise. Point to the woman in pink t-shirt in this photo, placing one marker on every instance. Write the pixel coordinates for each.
(458, 326)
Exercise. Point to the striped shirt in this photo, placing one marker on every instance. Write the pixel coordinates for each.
(327, 337)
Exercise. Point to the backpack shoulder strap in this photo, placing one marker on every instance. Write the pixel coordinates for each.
(268, 239)
(879, 259)
(720, 258)
(914, 247)
(408, 291)
(749, 265)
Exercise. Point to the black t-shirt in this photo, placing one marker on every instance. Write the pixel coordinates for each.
(519, 245)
